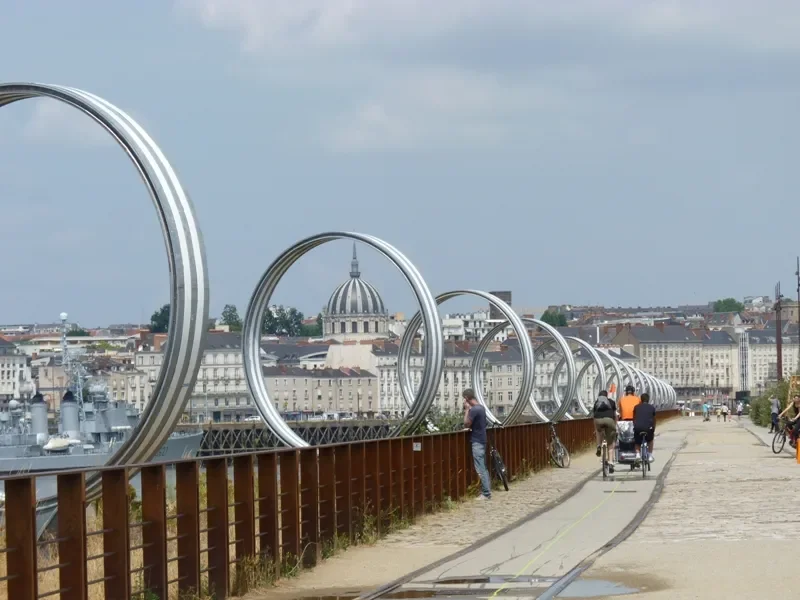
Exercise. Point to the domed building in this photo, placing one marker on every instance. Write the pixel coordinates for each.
(355, 309)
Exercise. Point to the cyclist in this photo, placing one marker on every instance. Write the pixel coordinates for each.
(604, 412)
(795, 403)
(627, 404)
(644, 423)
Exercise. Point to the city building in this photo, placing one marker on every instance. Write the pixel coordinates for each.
(16, 382)
(52, 343)
(320, 390)
(355, 310)
(693, 361)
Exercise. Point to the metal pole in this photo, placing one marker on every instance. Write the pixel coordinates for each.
(797, 273)
(778, 336)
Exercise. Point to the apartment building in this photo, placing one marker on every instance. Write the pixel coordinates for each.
(294, 388)
(15, 373)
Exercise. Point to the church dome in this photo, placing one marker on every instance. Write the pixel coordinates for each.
(355, 296)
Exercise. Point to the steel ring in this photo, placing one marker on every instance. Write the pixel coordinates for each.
(483, 345)
(251, 327)
(616, 375)
(596, 361)
(189, 296)
(539, 352)
(420, 405)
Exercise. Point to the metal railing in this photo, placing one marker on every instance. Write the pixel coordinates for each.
(280, 510)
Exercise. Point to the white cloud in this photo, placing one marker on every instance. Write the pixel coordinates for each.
(440, 108)
(413, 74)
(283, 26)
(53, 122)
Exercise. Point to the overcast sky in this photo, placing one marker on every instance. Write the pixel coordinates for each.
(619, 152)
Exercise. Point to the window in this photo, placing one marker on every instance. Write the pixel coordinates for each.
(353, 327)
(366, 326)
(342, 327)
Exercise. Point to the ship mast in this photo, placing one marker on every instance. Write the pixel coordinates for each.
(72, 369)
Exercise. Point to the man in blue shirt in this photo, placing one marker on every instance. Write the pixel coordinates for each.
(475, 420)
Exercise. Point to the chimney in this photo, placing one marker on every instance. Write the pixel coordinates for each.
(660, 326)
(619, 327)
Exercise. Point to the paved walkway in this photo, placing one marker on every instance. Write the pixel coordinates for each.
(715, 518)
(725, 526)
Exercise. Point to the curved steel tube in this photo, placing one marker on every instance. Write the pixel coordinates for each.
(572, 381)
(526, 349)
(556, 338)
(251, 329)
(617, 375)
(189, 297)
(596, 361)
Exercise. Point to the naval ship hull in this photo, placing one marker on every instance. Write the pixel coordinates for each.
(176, 448)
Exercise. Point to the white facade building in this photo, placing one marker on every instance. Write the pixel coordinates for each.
(15, 373)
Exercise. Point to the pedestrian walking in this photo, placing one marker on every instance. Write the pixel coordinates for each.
(775, 408)
(739, 410)
(724, 409)
(475, 420)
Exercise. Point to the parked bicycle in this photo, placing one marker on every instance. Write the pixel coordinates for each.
(558, 451)
(498, 465)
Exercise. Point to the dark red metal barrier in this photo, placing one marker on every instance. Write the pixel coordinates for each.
(281, 510)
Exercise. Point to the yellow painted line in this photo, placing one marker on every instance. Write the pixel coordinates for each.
(563, 533)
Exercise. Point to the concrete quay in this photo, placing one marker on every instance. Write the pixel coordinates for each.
(714, 519)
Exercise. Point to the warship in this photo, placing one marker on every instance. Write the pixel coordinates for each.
(91, 426)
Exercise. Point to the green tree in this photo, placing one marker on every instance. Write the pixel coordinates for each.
(728, 305)
(554, 319)
(283, 321)
(231, 318)
(314, 330)
(159, 321)
(78, 331)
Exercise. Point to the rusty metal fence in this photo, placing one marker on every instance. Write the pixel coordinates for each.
(216, 535)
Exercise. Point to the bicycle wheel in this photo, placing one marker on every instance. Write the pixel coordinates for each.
(779, 441)
(500, 468)
(605, 461)
(559, 454)
(645, 461)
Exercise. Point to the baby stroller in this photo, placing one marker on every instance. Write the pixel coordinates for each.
(626, 444)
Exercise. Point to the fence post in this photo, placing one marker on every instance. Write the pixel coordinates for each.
(21, 538)
(154, 530)
(116, 536)
(72, 577)
(187, 483)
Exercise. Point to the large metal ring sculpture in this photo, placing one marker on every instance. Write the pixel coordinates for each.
(251, 330)
(600, 381)
(418, 405)
(616, 376)
(189, 298)
(524, 339)
(565, 350)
